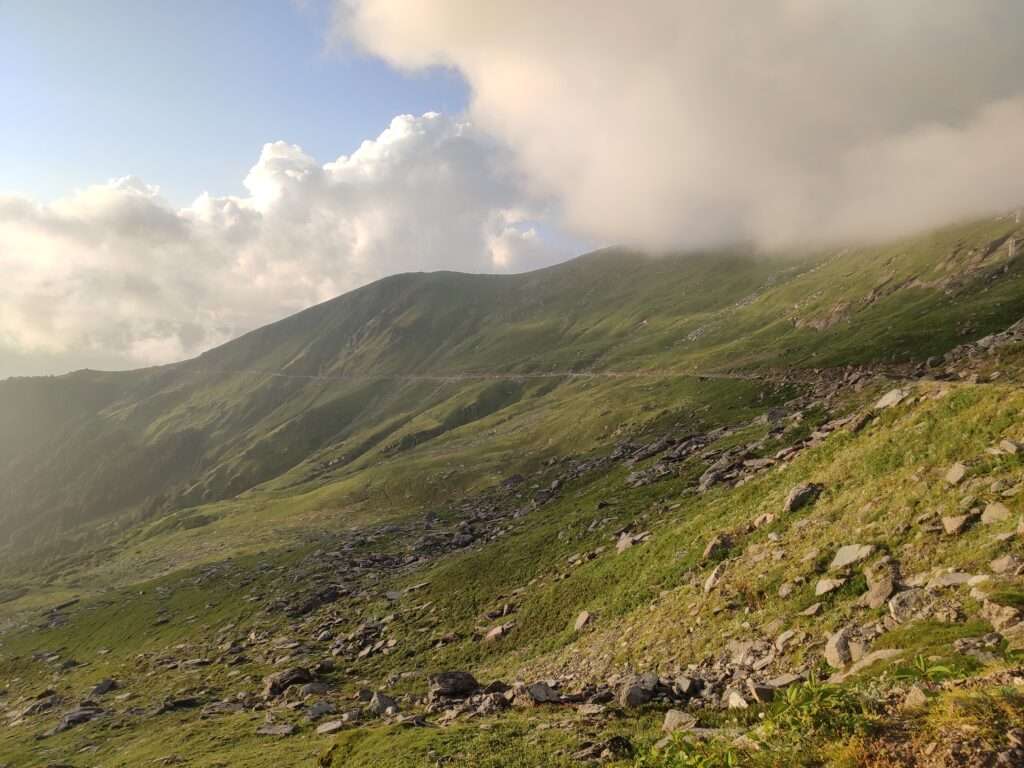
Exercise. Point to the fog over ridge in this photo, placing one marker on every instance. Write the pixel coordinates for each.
(675, 123)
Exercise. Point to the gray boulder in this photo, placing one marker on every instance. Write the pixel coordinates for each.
(802, 496)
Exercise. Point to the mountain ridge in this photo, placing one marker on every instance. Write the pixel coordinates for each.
(220, 415)
(673, 493)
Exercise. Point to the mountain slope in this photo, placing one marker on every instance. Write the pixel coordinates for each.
(341, 377)
(649, 490)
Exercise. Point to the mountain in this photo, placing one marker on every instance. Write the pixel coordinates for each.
(338, 382)
(573, 475)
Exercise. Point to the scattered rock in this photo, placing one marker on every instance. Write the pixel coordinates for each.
(541, 693)
(452, 685)
(890, 399)
(915, 698)
(582, 620)
(276, 729)
(883, 578)
(995, 513)
(678, 720)
(954, 525)
(1005, 564)
(837, 649)
(717, 547)
(904, 606)
(949, 579)
(714, 577)
(734, 700)
(330, 727)
(802, 496)
(850, 555)
(278, 682)
(826, 585)
(956, 474)
(381, 704)
(637, 691)
(104, 686)
(76, 716)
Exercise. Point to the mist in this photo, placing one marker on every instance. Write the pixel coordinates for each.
(679, 123)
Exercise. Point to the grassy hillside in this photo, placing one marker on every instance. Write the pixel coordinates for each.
(340, 380)
(385, 480)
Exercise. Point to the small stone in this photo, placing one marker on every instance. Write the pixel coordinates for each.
(381, 704)
(714, 577)
(903, 606)
(542, 693)
(837, 649)
(636, 692)
(717, 547)
(677, 720)
(582, 620)
(849, 555)
(454, 684)
(761, 693)
(826, 585)
(890, 399)
(1009, 446)
(956, 473)
(811, 610)
(995, 513)
(954, 525)
(1005, 564)
(801, 496)
(103, 686)
(735, 700)
(784, 681)
(331, 727)
(949, 579)
(915, 698)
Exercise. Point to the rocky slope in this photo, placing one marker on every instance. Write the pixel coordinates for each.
(711, 554)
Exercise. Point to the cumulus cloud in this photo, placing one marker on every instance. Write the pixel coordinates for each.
(115, 274)
(687, 122)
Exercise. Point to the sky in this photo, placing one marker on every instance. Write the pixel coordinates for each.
(175, 173)
(185, 92)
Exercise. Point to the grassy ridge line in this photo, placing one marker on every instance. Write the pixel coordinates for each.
(214, 436)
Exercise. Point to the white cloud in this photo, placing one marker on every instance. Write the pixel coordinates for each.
(114, 273)
(688, 122)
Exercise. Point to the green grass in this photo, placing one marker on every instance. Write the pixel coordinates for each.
(183, 491)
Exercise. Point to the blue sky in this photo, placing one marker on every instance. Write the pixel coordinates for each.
(183, 94)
